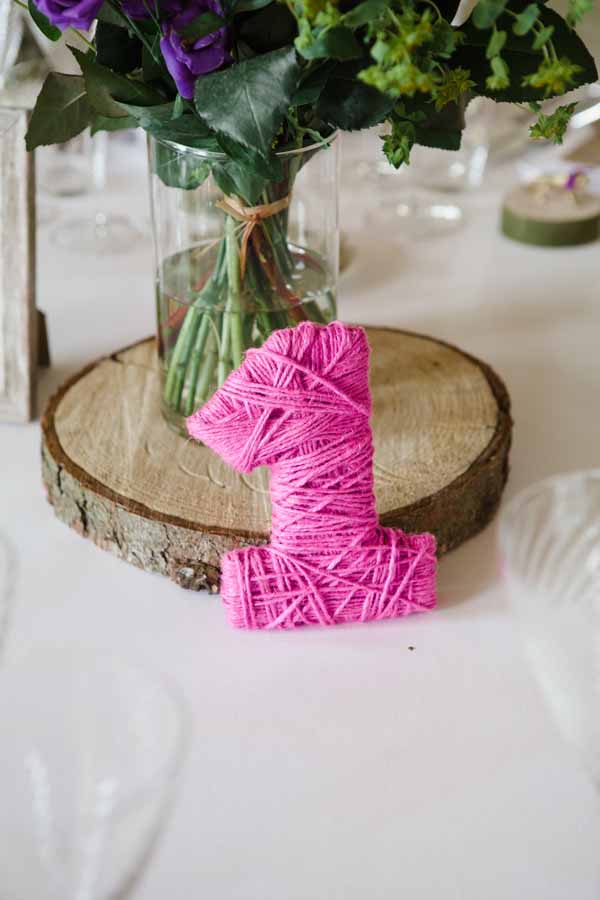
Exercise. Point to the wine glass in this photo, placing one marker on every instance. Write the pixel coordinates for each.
(90, 751)
(550, 554)
(102, 231)
(8, 568)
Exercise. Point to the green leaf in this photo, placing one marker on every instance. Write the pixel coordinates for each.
(521, 57)
(205, 23)
(151, 69)
(247, 102)
(103, 123)
(250, 5)
(349, 104)
(105, 88)
(43, 23)
(61, 112)
(527, 19)
(246, 158)
(365, 13)
(486, 12)
(178, 107)
(542, 37)
(188, 129)
(268, 29)
(312, 85)
(438, 138)
(179, 169)
(234, 179)
(496, 43)
(110, 15)
(116, 49)
(335, 43)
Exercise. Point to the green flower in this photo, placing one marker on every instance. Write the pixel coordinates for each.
(455, 83)
(553, 127)
(554, 76)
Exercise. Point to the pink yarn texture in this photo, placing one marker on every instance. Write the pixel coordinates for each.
(301, 405)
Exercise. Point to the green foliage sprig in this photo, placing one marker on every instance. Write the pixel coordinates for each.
(298, 69)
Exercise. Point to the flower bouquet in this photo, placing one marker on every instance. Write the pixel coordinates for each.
(243, 95)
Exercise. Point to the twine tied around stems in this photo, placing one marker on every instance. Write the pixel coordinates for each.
(250, 217)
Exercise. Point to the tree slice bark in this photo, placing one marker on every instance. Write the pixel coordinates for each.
(118, 475)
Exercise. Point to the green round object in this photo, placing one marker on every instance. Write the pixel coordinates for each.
(559, 222)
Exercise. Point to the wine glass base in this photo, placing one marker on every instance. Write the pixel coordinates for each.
(96, 234)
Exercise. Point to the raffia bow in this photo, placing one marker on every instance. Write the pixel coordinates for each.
(250, 216)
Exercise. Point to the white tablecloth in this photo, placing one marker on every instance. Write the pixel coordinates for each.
(340, 764)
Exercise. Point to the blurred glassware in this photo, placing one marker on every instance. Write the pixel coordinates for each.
(11, 34)
(102, 231)
(63, 170)
(8, 572)
(90, 752)
(549, 543)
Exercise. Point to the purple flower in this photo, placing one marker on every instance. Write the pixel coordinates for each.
(70, 13)
(138, 9)
(187, 59)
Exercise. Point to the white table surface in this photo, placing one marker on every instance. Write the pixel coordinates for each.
(339, 764)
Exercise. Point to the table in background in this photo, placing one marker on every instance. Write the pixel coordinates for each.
(405, 759)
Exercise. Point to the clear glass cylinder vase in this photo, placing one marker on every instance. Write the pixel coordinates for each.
(239, 253)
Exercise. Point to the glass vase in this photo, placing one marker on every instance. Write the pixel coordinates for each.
(239, 254)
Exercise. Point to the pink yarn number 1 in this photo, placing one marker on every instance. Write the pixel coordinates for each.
(301, 405)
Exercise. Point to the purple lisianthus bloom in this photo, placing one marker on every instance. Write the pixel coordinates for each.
(138, 9)
(70, 13)
(187, 59)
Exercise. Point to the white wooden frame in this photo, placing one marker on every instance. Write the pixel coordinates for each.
(18, 339)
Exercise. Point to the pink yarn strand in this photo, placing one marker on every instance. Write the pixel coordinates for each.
(301, 405)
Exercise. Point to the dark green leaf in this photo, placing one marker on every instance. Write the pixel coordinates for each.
(250, 5)
(180, 169)
(110, 15)
(43, 23)
(335, 43)
(366, 12)
(486, 12)
(116, 49)
(349, 104)
(527, 19)
(187, 129)
(268, 29)
(247, 102)
(438, 138)
(62, 111)
(496, 43)
(247, 158)
(241, 182)
(103, 123)
(105, 88)
(311, 86)
(520, 56)
(202, 25)
(152, 66)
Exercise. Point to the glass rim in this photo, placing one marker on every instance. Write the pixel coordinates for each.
(522, 497)
(61, 656)
(218, 155)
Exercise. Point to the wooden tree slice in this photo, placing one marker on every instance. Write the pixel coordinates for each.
(117, 474)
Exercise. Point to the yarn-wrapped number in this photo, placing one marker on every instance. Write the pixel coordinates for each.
(301, 405)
